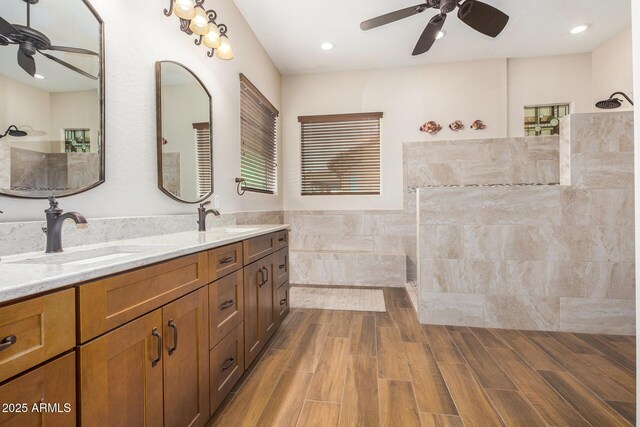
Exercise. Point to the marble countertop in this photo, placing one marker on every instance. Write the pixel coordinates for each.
(20, 276)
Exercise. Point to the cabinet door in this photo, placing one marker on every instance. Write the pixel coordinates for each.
(51, 384)
(121, 376)
(186, 361)
(258, 307)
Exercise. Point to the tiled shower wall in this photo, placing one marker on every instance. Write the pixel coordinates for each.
(21, 237)
(544, 258)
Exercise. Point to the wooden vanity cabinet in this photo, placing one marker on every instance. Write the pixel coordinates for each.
(152, 371)
(51, 384)
(259, 307)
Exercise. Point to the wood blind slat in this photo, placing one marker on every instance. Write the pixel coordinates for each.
(341, 154)
(204, 163)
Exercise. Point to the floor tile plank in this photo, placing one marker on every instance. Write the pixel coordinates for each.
(530, 352)
(597, 380)
(360, 405)
(481, 362)
(392, 362)
(307, 353)
(328, 381)
(397, 405)
(489, 338)
(321, 316)
(290, 333)
(625, 356)
(626, 409)
(441, 344)
(473, 404)
(285, 405)
(515, 409)
(432, 394)
(341, 324)
(553, 408)
(319, 414)
(437, 420)
(594, 410)
(410, 329)
(363, 335)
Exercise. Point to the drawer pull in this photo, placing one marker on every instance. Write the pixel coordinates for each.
(281, 239)
(283, 301)
(227, 364)
(8, 342)
(262, 279)
(172, 325)
(226, 260)
(227, 304)
(155, 361)
(282, 266)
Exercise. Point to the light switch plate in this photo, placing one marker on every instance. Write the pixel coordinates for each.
(216, 201)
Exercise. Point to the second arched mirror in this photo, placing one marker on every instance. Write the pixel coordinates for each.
(184, 127)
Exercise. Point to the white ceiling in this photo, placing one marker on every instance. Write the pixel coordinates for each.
(66, 23)
(292, 31)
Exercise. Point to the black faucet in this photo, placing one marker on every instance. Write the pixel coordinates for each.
(202, 215)
(55, 218)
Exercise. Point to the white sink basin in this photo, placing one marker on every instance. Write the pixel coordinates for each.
(235, 230)
(89, 256)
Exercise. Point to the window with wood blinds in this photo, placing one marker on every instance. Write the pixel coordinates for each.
(258, 119)
(341, 154)
(204, 159)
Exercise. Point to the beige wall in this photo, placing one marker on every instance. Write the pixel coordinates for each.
(408, 97)
(131, 176)
(542, 257)
(613, 69)
(548, 80)
(75, 110)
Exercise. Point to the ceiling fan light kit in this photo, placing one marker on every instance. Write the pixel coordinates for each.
(31, 41)
(194, 19)
(480, 16)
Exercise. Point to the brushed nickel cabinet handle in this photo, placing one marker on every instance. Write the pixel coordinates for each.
(227, 364)
(156, 334)
(173, 326)
(227, 304)
(8, 342)
(226, 260)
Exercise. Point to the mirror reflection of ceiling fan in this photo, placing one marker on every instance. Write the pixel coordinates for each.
(31, 41)
(480, 16)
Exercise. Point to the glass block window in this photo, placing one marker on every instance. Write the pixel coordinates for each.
(544, 119)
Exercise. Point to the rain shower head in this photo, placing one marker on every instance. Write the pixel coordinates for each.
(14, 131)
(612, 103)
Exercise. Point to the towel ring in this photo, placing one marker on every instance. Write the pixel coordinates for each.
(242, 186)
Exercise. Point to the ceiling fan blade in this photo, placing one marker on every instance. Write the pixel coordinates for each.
(73, 50)
(26, 62)
(393, 16)
(69, 66)
(482, 17)
(429, 34)
(6, 29)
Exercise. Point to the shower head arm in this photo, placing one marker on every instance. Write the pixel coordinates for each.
(623, 94)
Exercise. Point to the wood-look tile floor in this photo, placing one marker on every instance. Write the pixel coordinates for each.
(348, 368)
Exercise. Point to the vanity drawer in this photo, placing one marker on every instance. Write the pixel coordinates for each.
(282, 302)
(281, 266)
(108, 303)
(225, 260)
(226, 366)
(282, 239)
(259, 247)
(42, 328)
(53, 383)
(226, 306)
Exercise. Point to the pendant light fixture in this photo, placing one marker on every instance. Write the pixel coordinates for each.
(195, 19)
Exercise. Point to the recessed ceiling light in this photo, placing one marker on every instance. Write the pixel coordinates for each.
(441, 34)
(326, 46)
(38, 76)
(579, 29)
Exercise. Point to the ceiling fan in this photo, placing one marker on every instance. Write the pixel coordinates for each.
(480, 16)
(31, 41)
